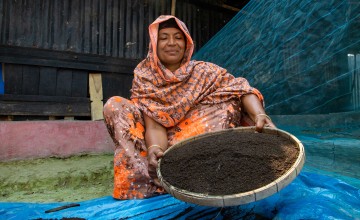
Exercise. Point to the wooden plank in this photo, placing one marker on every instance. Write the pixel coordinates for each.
(115, 29)
(128, 30)
(102, 26)
(2, 69)
(31, 76)
(163, 7)
(63, 82)
(77, 27)
(64, 24)
(41, 57)
(23, 24)
(122, 28)
(198, 31)
(36, 24)
(45, 22)
(56, 29)
(13, 21)
(2, 17)
(79, 85)
(191, 24)
(144, 27)
(108, 27)
(72, 26)
(141, 32)
(135, 27)
(79, 39)
(87, 27)
(151, 15)
(44, 108)
(41, 98)
(126, 85)
(96, 96)
(13, 79)
(2, 78)
(206, 30)
(51, 118)
(6, 118)
(95, 27)
(157, 9)
(51, 27)
(47, 81)
(116, 84)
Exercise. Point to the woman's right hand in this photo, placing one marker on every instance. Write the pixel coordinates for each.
(157, 142)
(154, 154)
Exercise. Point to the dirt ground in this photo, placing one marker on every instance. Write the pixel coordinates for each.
(70, 179)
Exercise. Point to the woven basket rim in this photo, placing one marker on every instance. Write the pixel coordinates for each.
(239, 198)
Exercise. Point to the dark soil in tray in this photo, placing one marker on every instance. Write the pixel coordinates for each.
(229, 163)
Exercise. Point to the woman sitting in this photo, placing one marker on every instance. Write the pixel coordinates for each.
(173, 98)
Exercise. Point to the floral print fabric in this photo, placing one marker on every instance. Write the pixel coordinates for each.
(125, 124)
(167, 96)
(198, 97)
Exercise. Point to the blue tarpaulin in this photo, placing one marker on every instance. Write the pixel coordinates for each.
(309, 196)
(328, 187)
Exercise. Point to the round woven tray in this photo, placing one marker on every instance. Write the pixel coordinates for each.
(240, 198)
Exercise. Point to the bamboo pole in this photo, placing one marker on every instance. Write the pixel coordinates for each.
(173, 7)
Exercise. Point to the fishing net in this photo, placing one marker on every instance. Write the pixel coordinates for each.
(304, 56)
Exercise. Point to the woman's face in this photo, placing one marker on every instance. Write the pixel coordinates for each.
(171, 47)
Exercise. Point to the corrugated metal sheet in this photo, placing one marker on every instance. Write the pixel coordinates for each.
(203, 18)
(116, 28)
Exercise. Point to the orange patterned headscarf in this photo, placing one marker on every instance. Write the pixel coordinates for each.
(167, 96)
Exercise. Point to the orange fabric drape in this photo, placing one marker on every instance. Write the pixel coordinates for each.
(167, 96)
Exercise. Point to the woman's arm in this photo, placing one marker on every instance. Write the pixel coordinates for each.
(156, 143)
(255, 110)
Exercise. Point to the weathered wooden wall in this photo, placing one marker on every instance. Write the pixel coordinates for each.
(34, 90)
(50, 47)
(116, 28)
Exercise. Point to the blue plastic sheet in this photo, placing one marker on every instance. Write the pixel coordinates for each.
(309, 196)
(328, 187)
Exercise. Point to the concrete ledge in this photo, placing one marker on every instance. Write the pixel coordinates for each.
(38, 139)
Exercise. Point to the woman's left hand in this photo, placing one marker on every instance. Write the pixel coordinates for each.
(263, 120)
(255, 109)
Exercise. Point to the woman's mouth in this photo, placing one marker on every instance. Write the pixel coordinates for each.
(172, 52)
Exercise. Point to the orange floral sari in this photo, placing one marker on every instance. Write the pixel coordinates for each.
(167, 96)
(199, 97)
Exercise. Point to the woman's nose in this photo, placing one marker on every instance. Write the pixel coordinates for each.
(171, 41)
